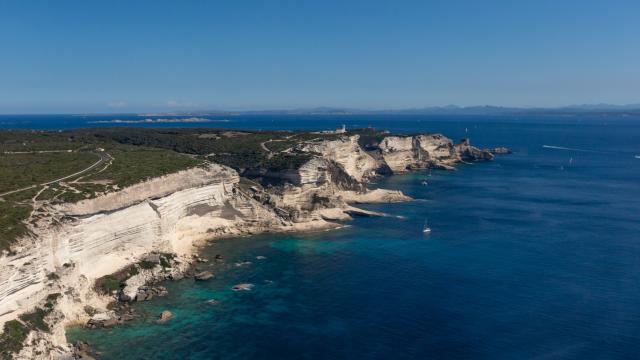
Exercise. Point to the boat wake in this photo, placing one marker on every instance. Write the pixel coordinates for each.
(571, 149)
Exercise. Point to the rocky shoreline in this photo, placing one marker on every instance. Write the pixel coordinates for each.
(100, 255)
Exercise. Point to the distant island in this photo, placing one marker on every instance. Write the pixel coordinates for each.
(189, 120)
(571, 110)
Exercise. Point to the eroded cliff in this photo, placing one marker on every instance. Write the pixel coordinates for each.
(72, 245)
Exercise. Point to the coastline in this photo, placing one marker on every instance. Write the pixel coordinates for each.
(179, 213)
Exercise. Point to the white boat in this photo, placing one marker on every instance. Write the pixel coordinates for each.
(637, 156)
(426, 229)
(424, 183)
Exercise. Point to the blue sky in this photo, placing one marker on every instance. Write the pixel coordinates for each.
(129, 56)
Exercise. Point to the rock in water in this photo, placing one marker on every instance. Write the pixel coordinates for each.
(165, 315)
(106, 319)
(203, 276)
(471, 153)
(199, 259)
(500, 151)
(160, 291)
(82, 351)
(122, 297)
(242, 287)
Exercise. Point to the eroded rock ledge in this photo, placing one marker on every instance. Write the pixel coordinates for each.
(76, 244)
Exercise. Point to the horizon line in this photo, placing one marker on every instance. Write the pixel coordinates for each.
(586, 107)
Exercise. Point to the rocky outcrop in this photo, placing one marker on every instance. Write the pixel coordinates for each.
(406, 153)
(347, 153)
(466, 152)
(500, 151)
(165, 316)
(437, 148)
(320, 171)
(400, 153)
(203, 276)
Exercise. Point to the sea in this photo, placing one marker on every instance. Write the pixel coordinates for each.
(535, 255)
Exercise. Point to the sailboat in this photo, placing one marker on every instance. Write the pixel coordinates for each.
(426, 229)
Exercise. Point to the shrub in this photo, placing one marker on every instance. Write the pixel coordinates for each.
(35, 319)
(12, 338)
(108, 284)
(147, 265)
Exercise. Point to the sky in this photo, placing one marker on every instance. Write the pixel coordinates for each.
(139, 56)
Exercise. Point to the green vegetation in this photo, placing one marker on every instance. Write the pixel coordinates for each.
(22, 170)
(51, 300)
(164, 263)
(240, 150)
(35, 319)
(147, 265)
(283, 162)
(11, 222)
(25, 141)
(12, 338)
(90, 310)
(116, 281)
(369, 138)
(132, 165)
(15, 332)
(110, 283)
(133, 271)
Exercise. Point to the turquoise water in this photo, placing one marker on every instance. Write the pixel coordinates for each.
(533, 255)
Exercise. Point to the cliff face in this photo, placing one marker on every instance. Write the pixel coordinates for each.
(348, 154)
(466, 152)
(405, 153)
(437, 147)
(401, 153)
(98, 235)
(84, 241)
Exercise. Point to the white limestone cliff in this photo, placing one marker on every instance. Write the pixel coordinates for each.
(84, 241)
(406, 153)
(399, 152)
(348, 154)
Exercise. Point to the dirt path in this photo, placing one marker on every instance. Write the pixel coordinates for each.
(99, 171)
(36, 152)
(264, 147)
(102, 158)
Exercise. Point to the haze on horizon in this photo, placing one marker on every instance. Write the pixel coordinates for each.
(153, 56)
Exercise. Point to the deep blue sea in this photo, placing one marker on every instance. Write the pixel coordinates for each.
(535, 255)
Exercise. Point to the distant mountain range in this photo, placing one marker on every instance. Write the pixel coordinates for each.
(591, 109)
